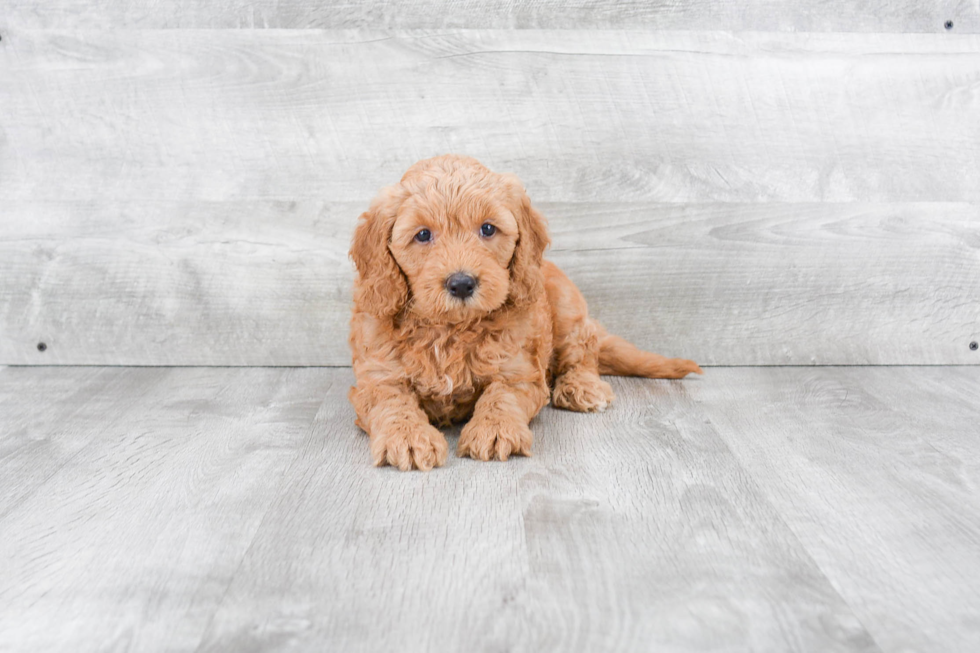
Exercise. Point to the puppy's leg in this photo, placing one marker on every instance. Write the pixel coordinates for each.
(575, 361)
(399, 430)
(499, 426)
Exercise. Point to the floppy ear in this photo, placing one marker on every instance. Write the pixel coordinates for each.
(381, 289)
(526, 279)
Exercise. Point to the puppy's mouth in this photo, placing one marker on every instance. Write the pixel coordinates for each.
(457, 297)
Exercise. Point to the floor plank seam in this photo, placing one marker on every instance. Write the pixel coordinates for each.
(283, 481)
(764, 496)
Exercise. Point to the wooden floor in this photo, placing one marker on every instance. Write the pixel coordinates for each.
(235, 509)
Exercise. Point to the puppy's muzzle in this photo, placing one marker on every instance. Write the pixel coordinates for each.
(460, 285)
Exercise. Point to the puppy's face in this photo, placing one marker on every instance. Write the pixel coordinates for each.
(454, 242)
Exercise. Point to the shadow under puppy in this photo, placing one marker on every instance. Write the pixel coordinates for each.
(457, 316)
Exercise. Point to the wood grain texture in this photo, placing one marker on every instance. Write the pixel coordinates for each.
(177, 283)
(769, 15)
(268, 283)
(878, 473)
(578, 115)
(236, 510)
(160, 479)
(43, 417)
(588, 546)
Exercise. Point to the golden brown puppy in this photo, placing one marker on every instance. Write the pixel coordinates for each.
(457, 316)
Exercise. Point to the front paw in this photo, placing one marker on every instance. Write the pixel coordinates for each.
(487, 437)
(410, 446)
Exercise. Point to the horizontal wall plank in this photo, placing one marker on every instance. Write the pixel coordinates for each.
(579, 115)
(824, 16)
(176, 283)
(268, 283)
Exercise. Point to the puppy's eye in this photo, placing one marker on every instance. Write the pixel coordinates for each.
(423, 236)
(488, 230)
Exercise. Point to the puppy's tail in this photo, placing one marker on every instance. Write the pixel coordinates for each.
(621, 358)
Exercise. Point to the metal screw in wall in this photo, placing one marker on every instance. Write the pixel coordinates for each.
(41, 346)
(948, 24)
(974, 346)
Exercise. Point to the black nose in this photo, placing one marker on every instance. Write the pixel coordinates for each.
(460, 285)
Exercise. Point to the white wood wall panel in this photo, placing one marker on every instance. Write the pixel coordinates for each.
(186, 196)
(769, 15)
(580, 116)
(268, 283)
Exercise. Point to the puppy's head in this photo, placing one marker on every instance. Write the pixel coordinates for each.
(455, 239)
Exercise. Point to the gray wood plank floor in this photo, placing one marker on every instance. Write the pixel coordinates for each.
(235, 509)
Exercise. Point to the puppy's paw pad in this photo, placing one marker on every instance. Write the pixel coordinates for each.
(583, 392)
(416, 447)
(488, 438)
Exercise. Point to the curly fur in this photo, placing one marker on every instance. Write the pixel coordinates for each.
(423, 357)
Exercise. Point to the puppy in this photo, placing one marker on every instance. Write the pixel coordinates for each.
(457, 316)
